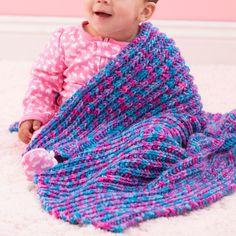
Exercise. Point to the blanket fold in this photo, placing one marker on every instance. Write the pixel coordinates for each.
(136, 143)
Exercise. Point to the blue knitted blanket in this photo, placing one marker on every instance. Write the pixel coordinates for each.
(135, 142)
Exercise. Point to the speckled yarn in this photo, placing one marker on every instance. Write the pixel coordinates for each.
(136, 142)
(13, 127)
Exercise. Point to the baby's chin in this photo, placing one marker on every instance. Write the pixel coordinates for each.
(104, 32)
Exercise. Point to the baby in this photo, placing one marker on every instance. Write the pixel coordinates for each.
(71, 57)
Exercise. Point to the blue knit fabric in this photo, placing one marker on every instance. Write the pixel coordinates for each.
(137, 142)
(13, 127)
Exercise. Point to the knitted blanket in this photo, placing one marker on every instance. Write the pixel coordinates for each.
(135, 143)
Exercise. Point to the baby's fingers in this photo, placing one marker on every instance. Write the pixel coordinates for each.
(25, 132)
(25, 136)
(36, 124)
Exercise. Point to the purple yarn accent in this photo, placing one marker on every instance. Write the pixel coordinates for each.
(13, 127)
(137, 144)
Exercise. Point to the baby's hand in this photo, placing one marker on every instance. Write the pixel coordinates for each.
(27, 129)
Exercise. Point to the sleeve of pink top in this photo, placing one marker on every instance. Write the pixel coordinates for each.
(46, 82)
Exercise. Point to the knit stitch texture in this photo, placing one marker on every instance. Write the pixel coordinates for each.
(136, 142)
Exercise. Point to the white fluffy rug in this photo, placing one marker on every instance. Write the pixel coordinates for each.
(20, 211)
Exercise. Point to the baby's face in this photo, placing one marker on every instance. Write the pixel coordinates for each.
(110, 18)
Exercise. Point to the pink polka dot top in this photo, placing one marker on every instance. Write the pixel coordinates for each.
(71, 57)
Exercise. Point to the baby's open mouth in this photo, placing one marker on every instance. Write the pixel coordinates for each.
(103, 14)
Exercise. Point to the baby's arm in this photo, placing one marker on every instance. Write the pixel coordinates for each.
(46, 83)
